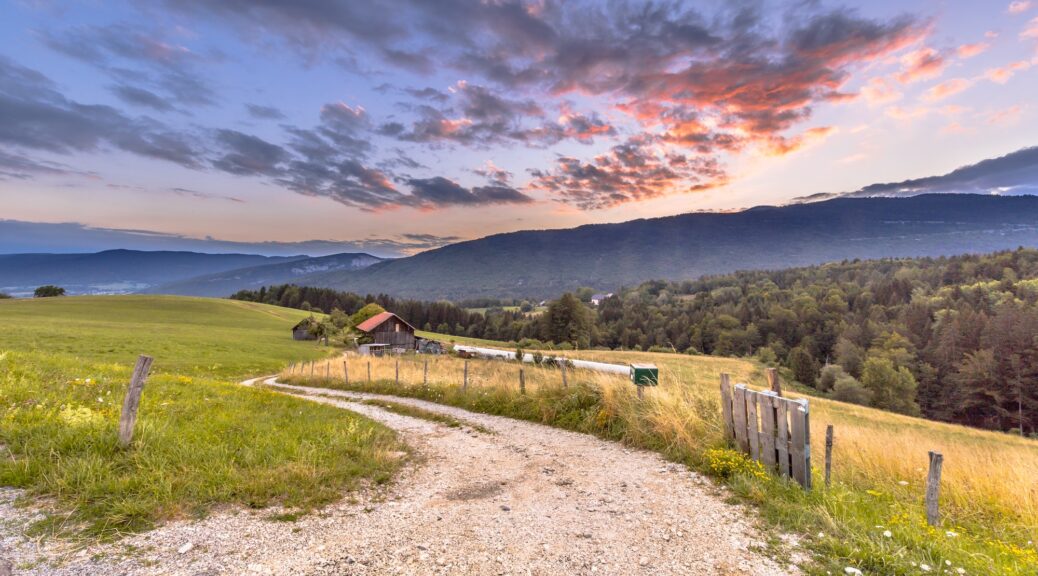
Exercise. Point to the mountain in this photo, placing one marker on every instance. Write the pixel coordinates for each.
(296, 271)
(116, 271)
(539, 264)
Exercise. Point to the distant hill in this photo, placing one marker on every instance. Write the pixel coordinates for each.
(296, 271)
(545, 263)
(116, 271)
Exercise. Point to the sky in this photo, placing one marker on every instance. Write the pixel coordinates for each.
(400, 125)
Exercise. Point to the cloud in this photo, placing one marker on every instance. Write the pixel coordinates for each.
(1019, 6)
(921, 64)
(439, 192)
(494, 173)
(142, 98)
(970, 50)
(1013, 173)
(18, 167)
(704, 85)
(247, 155)
(946, 89)
(129, 54)
(33, 114)
(880, 90)
(1002, 74)
(631, 171)
(261, 112)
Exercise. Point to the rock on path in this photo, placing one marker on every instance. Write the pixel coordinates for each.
(525, 499)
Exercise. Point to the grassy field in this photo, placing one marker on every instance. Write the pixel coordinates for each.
(201, 440)
(872, 518)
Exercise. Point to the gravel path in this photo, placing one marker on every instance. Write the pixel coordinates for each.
(523, 499)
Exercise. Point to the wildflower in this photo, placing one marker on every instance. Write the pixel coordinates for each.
(902, 482)
(951, 534)
(852, 571)
(960, 570)
(887, 534)
(924, 567)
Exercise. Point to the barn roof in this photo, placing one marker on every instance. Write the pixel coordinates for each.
(377, 320)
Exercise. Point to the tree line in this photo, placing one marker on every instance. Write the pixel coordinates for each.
(952, 339)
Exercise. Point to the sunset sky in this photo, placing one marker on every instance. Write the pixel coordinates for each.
(402, 125)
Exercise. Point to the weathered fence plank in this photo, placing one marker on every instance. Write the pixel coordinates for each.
(739, 415)
(782, 439)
(768, 426)
(828, 454)
(753, 426)
(773, 381)
(345, 373)
(726, 407)
(133, 399)
(522, 381)
(798, 447)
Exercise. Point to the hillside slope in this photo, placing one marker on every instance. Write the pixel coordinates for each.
(116, 271)
(605, 256)
(229, 282)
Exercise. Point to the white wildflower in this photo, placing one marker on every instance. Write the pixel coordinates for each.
(951, 534)
(852, 571)
(888, 533)
(924, 567)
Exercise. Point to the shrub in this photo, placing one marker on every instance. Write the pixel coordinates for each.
(725, 463)
(830, 374)
(847, 389)
(48, 291)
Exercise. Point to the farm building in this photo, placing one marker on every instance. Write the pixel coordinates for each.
(599, 298)
(388, 328)
(304, 330)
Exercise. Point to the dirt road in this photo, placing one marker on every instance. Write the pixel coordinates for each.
(518, 499)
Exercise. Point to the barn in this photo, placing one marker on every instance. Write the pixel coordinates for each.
(304, 330)
(390, 329)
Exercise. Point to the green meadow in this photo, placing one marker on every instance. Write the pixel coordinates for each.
(201, 440)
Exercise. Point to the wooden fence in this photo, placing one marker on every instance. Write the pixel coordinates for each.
(774, 431)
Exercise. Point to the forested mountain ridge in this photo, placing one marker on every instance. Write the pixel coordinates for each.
(545, 263)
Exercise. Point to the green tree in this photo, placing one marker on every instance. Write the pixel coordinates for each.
(803, 365)
(368, 311)
(847, 389)
(891, 388)
(48, 291)
(567, 320)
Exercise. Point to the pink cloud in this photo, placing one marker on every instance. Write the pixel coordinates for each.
(946, 89)
(1005, 117)
(899, 113)
(1032, 29)
(971, 50)
(921, 64)
(880, 90)
(1019, 6)
(1002, 74)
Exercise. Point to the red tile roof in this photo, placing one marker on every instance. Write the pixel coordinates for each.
(377, 320)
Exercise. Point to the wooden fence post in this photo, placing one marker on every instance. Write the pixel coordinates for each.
(726, 407)
(311, 368)
(933, 485)
(465, 383)
(773, 381)
(398, 372)
(753, 425)
(327, 370)
(768, 425)
(369, 371)
(565, 384)
(801, 444)
(133, 400)
(828, 454)
(425, 374)
(522, 381)
(739, 405)
(345, 373)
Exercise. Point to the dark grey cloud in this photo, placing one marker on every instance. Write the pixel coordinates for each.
(264, 112)
(1014, 173)
(18, 167)
(247, 155)
(35, 115)
(141, 97)
(439, 191)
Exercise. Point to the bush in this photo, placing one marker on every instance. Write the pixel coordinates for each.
(725, 463)
(538, 358)
(830, 374)
(4, 296)
(847, 389)
(48, 291)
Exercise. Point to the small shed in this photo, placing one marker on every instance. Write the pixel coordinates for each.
(304, 330)
(388, 328)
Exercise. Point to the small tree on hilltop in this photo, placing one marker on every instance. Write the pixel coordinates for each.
(48, 291)
(368, 311)
(803, 365)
